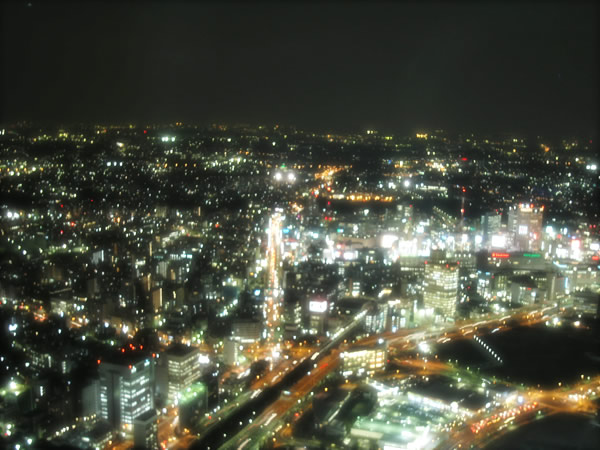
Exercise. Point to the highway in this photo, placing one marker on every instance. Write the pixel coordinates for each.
(261, 412)
(300, 379)
(270, 420)
(272, 311)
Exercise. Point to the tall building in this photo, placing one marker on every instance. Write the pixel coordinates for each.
(376, 318)
(491, 224)
(183, 369)
(292, 317)
(525, 226)
(440, 288)
(145, 431)
(193, 403)
(126, 389)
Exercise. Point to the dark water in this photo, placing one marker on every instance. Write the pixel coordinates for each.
(531, 355)
(561, 431)
(544, 355)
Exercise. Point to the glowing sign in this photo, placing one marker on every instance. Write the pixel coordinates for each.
(317, 306)
(387, 240)
(531, 255)
(498, 241)
(500, 255)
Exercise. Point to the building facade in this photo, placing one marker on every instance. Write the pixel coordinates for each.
(440, 288)
(126, 391)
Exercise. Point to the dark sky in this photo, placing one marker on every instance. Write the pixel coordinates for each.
(482, 66)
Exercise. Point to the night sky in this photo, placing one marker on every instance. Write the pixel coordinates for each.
(397, 67)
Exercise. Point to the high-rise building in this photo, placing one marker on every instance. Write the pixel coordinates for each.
(230, 352)
(126, 389)
(440, 288)
(145, 431)
(183, 369)
(292, 317)
(525, 226)
(376, 318)
(193, 403)
(491, 224)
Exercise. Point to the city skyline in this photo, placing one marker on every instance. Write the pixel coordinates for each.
(319, 225)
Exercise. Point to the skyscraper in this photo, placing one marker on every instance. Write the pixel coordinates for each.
(525, 226)
(440, 288)
(126, 389)
(183, 367)
(145, 431)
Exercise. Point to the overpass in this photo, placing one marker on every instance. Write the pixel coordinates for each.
(227, 430)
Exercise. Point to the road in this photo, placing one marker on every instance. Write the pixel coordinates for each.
(271, 418)
(273, 297)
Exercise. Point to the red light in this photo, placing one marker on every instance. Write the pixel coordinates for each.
(62, 231)
(141, 347)
(464, 159)
(62, 206)
(595, 257)
(98, 361)
(122, 350)
(154, 355)
(129, 366)
(145, 131)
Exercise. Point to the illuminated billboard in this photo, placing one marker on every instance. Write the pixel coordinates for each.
(317, 306)
(498, 241)
(387, 240)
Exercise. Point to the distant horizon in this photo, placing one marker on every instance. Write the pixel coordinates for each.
(207, 125)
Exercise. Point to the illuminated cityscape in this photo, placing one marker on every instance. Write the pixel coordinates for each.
(250, 283)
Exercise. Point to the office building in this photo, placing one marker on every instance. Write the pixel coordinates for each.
(361, 361)
(183, 369)
(440, 288)
(126, 389)
(525, 226)
(145, 431)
